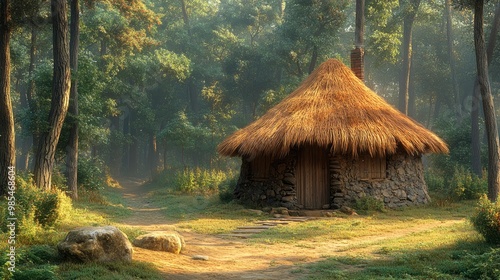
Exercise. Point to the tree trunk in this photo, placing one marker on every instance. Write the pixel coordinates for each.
(488, 105)
(314, 59)
(72, 149)
(404, 79)
(153, 156)
(45, 155)
(7, 134)
(477, 167)
(26, 99)
(451, 61)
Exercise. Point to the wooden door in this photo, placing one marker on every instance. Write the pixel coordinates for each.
(313, 190)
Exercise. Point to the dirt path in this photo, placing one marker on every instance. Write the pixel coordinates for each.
(233, 258)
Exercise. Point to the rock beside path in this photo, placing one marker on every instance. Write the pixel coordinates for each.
(96, 244)
(168, 241)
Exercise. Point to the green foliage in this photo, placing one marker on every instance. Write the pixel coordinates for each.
(226, 189)
(200, 181)
(462, 185)
(486, 220)
(35, 209)
(465, 185)
(385, 37)
(173, 64)
(109, 271)
(369, 204)
(34, 262)
(484, 266)
(91, 173)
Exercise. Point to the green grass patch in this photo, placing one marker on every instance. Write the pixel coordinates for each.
(109, 271)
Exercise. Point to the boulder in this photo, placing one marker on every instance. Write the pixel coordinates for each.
(347, 210)
(96, 244)
(168, 241)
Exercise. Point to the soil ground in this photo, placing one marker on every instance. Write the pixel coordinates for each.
(230, 258)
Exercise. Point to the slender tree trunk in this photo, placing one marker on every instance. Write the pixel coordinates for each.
(7, 134)
(477, 167)
(45, 155)
(451, 61)
(488, 105)
(153, 156)
(26, 98)
(314, 59)
(72, 149)
(404, 79)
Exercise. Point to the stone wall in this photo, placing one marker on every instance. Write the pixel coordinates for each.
(403, 186)
(277, 190)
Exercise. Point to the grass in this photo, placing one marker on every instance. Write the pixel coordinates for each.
(199, 213)
(429, 242)
(36, 253)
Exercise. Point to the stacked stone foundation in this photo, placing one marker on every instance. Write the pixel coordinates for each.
(404, 184)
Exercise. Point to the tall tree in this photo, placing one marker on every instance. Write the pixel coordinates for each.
(488, 105)
(45, 155)
(451, 58)
(7, 134)
(72, 149)
(476, 96)
(411, 8)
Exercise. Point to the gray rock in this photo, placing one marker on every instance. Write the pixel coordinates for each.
(168, 241)
(96, 244)
(200, 258)
(289, 180)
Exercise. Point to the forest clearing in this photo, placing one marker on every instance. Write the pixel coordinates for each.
(428, 242)
(249, 139)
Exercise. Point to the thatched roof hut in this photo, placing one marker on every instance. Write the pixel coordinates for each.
(332, 107)
(335, 111)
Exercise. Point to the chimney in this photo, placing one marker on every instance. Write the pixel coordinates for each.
(357, 62)
(358, 54)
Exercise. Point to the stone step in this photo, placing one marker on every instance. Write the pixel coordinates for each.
(242, 236)
(272, 223)
(243, 231)
(256, 227)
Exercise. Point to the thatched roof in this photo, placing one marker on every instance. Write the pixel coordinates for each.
(332, 108)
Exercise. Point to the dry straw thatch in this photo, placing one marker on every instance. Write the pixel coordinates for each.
(332, 108)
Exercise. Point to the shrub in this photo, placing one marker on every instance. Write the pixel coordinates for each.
(462, 185)
(226, 189)
(200, 181)
(435, 182)
(484, 266)
(369, 204)
(91, 173)
(486, 220)
(465, 185)
(35, 208)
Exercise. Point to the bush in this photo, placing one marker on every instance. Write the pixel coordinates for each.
(465, 185)
(200, 181)
(91, 173)
(486, 220)
(461, 185)
(484, 266)
(226, 190)
(369, 204)
(435, 183)
(35, 208)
